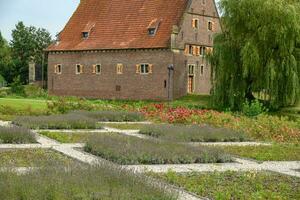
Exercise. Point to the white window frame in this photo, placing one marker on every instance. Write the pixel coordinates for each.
(194, 67)
(76, 69)
(120, 68)
(141, 68)
(60, 71)
(96, 69)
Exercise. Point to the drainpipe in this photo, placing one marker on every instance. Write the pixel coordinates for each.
(170, 73)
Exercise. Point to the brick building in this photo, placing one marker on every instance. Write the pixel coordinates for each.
(137, 49)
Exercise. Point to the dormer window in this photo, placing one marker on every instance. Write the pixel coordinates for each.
(153, 27)
(85, 35)
(151, 31)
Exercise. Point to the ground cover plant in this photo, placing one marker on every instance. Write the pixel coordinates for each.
(101, 182)
(72, 137)
(16, 135)
(237, 185)
(192, 133)
(113, 116)
(262, 127)
(130, 150)
(64, 121)
(275, 152)
(33, 158)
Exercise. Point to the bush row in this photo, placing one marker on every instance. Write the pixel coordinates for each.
(16, 135)
(129, 150)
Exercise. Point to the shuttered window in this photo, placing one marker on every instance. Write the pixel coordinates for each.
(144, 68)
(97, 69)
(195, 23)
(119, 68)
(58, 69)
(79, 69)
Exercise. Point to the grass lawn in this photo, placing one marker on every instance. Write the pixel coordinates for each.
(68, 137)
(237, 185)
(276, 152)
(128, 150)
(192, 101)
(192, 133)
(32, 158)
(24, 103)
(102, 182)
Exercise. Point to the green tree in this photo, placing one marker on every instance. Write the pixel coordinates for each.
(258, 53)
(5, 58)
(28, 43)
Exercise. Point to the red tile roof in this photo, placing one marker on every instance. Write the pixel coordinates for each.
(120, 24)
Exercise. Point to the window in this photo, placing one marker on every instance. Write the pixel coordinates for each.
(191, 69)
(203, 2)
(151, 31)
(79, 69)
(97, 69)
(85, 35)
(165, 84)
(58, 69)
(144, 68)
(191, 49)
(195, 23)
(119, 68)
(202, 70)
(202, 51)
(210, 26)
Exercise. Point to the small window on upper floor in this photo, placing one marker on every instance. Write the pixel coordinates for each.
(202, 51)
(203, 2)
(195, 23)
(79, 69)
(210, 26)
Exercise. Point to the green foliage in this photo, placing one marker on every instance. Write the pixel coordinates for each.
(133, 150)
(192, 133)
(275, 152)
(67, 121)
(34, 91)
(16, 135)
(238, 185)
(252, 109)
(258, 52)
(17, 86)
(73, 137)
(103, 182)
(27, 43)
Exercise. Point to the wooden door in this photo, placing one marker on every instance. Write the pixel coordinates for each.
(191, 84)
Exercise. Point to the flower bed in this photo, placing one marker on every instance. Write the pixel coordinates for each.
(192, 133)
(129, 150)
(16, 135)
(263, 127)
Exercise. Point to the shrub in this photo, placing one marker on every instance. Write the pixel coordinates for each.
(64, 105)
(16, 86)
(105, 181)
(252, 109)
(192, 133)
(16, 135)
(113, 116)
(66, 121)
(130, 150)
(34, 91)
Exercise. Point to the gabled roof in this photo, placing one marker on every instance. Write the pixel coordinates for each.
(120, 24)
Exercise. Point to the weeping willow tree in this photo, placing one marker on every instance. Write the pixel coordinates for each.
(258, 53)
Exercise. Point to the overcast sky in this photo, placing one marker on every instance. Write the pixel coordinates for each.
(49, 14)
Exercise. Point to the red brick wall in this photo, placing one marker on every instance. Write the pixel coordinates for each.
(133, 86)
